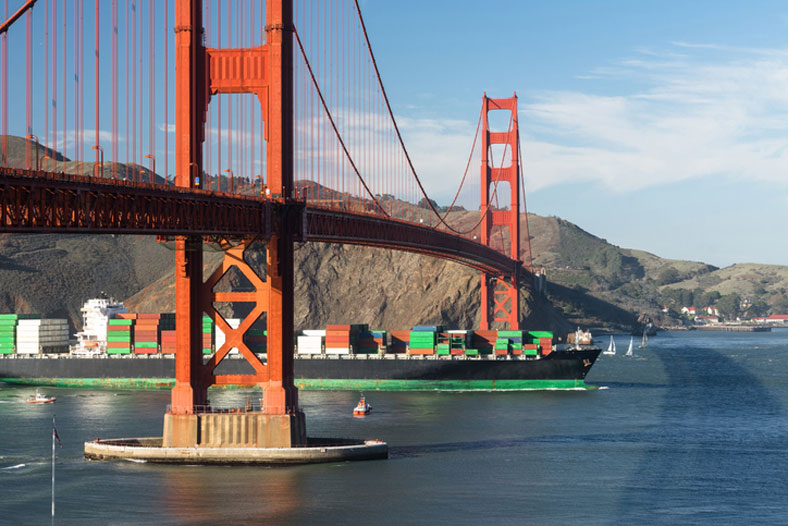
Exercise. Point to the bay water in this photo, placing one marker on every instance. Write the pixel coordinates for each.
(692, 430)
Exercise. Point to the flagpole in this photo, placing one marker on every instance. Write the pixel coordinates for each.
(53, 469)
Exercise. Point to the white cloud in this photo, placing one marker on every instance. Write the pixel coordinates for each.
(698, 115)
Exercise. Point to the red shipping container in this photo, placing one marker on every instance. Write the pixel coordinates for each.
(501, 352)
(547, 350)
(457, 352)
(145, 350)
(119, 328)
(118, 345)
(517, 351)
(146, 334)
(126, 316)
(531, 346)
(421, 351)
(148, 316)
(345, 328)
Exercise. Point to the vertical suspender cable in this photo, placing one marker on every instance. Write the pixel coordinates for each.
(64, 99)
(54, 78)
(46, 73)
(151, 84)
(81, 29)
(114, 89)
(141, 91)
(126, 84)
(219, 103)
(230, 134)
(134, 89)
(166, 94)
(5, 90)
(96, 44)
(29, 92)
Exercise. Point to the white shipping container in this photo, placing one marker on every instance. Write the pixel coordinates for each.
(312, 332)
(310, 344)
(337, 350)
(31, 324)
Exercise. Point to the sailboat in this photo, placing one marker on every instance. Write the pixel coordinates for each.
(611, 349)
(631, 343)
(644, 342)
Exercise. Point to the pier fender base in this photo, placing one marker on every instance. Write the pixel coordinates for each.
(216, 430)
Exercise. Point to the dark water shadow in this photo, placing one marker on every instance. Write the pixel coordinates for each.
(716, 454)
(419, 450)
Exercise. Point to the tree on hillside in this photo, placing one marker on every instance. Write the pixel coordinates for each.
(781, 305)
(728, 305)
(708, 299)
(424, 203)
(667, 276)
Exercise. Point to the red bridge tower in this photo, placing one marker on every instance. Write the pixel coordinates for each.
(505, 294)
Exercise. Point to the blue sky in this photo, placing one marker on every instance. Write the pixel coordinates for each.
(657, 125)
(661, 125)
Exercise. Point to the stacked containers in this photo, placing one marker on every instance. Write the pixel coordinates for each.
(37, 335)
(208, 335)
(366, 342)
(484, 341)
(544, 339)
(257, 340)
(458, 342)
(513, 340)
(167, 333)
(423, 339)
(443, 346)
(502, 347)
(146, 333)
(119, 332)
(342, 339)
(310, 342)
(8, 333)
(399, 341)
(380, 339)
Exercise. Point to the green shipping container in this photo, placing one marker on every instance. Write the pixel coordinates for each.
(126, 338)
(120, 322)
(146, 345)
(510, 334)
(530, 352)
(472, 352)
(443, 352)
(540, 334)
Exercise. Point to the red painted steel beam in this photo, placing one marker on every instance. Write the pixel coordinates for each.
(37, 202)
(360, 229)
(16, 16)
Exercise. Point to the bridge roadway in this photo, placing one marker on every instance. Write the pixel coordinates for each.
(45, 202)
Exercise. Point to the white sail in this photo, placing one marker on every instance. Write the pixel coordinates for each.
(644, 342)
(631, 343)
(611, 348)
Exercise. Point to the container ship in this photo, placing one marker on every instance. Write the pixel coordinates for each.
(120, 349)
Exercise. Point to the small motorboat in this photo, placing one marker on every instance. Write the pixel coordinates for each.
(39, 398)
(362, 408)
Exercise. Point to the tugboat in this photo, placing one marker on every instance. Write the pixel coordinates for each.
(362, 408)
(39, 398)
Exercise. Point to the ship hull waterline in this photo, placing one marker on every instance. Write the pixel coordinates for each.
(560, 370)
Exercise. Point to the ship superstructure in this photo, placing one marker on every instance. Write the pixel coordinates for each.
(96, 312)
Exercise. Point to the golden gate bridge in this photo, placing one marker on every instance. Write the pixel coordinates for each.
(283, 133)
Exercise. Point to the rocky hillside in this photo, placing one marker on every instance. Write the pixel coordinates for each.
(590, 282)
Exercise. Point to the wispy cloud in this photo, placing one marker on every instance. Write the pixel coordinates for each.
(705, 111)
